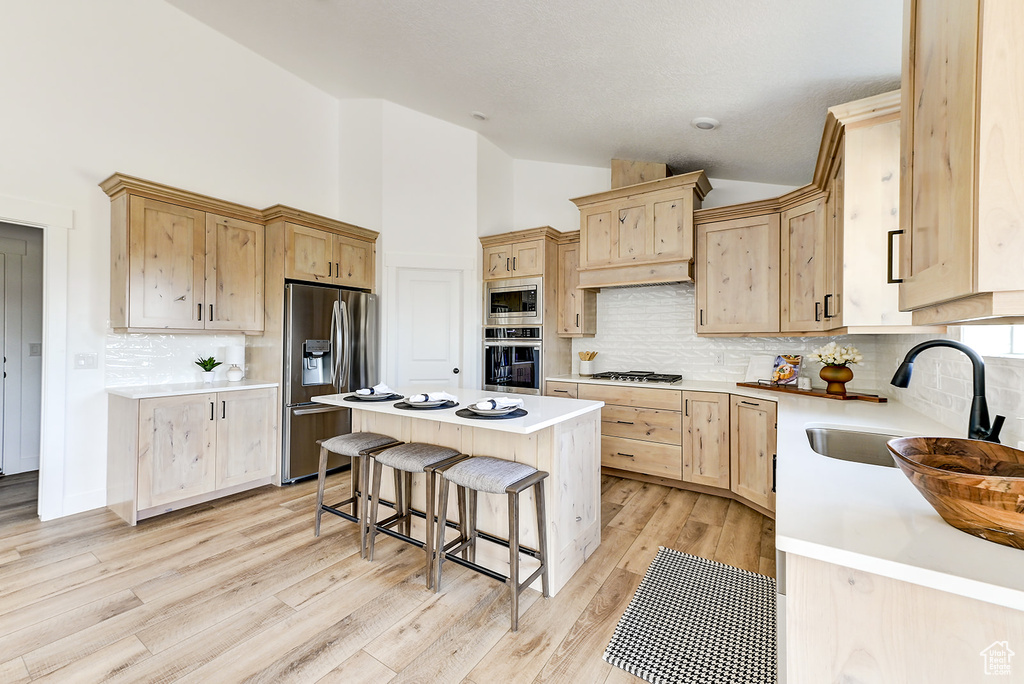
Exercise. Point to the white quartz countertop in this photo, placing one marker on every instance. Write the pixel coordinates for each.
(541, 412)
(179, 389)
(866, 517)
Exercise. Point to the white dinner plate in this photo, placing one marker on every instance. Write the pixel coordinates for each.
(492, 412)
(426, 404)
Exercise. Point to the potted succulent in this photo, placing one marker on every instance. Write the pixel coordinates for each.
(207, 365)
(836, 370)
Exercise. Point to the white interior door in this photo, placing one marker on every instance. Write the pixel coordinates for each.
(4, 437)
(428, 328)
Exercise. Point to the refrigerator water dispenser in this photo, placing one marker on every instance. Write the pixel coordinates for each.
(316, 362)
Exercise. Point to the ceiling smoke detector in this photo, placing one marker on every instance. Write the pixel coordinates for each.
(705, 123)
(479, 116)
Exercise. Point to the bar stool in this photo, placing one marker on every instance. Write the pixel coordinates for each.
(496, 476)
(406, 459)
(355, 445)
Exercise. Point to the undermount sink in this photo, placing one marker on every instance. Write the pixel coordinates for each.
(852, 445)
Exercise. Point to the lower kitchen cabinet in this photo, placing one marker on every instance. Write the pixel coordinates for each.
(752, 450)
(169, 452)
(566, 390)
(706, 438)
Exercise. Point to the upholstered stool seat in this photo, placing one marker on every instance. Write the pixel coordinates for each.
(357, 446)
(494, 476)
(406, 459)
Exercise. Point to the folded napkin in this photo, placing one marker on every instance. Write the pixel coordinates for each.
(376, 389)
(498, 403)
(431, 396)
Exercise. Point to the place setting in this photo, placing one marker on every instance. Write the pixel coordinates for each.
(428, 400)
(379, 392)
(494, 408)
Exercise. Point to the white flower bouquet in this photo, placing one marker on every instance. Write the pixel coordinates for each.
(833, 355)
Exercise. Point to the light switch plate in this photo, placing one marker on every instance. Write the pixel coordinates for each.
(85, 361)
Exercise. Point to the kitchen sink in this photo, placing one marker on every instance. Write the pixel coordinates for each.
(859, 446)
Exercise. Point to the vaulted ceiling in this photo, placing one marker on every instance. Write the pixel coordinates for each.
(583, 81)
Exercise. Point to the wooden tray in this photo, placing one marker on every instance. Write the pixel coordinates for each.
(849, 396)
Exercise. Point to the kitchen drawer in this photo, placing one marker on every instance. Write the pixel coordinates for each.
(663, 460)
(665, 399)
(561, 389)
(650, 425)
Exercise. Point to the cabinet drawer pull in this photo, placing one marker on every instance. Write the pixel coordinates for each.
(750, 403)
(619, 453)
(892, 278)
(624, 422)
(211, 410)
(562, 391)
(223, 409)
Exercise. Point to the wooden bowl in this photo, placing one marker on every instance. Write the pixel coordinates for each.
(977, 487)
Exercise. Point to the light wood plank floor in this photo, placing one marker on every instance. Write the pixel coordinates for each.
(240, 590)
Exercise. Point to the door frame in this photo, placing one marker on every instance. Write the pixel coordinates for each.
(472, 291)
(55, 222)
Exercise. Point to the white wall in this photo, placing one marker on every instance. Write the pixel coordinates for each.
(495, 189)
(725, 192)
(23, 321)
(139, 87)
(543, 189)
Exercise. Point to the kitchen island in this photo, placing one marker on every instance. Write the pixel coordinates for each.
(559, 436)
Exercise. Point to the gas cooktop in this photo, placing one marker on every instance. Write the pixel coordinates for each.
(637, 376)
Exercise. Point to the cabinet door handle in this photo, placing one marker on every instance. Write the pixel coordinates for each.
(775, 463)
(619, 453)
(828, 309)
(200, 314)
(508, 264)
(223, 409)
(750, 403)
(892, 234)
(577, 320)
(817, 311)
(329, 264)
(687, 407)
(211, 410)
(702, 316)
(513, 264)
(211, 313)
(624, 422)
(337, 269)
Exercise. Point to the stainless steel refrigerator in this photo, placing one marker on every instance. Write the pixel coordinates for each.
(331, 346)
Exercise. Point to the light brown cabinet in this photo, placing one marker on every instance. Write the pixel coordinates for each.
(183, 262)
(737, 273)
(752, 450)
(641, 233)
(167, 453)
(706, 438)
(577, 309)
(514, 260)
(566, 390)
(807, 268)
(960, 208)
(319, 256)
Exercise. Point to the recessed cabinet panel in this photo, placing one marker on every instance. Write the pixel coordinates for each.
(177, 448)
(738, 275)
(752, 471)
(528, 259)
(671, 238)
(598, 244)
(166, 265)
(706, 439)
(498, 262)
(234, 274)
(353, 262)
(309, 254)
(244, 434)
(804, 260)
(632, 234)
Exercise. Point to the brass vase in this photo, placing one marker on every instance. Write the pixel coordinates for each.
(836, 377)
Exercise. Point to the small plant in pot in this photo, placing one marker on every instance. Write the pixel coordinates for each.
(207, 365)
(836, 362)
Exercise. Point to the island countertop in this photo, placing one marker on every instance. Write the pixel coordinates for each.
(542, 412)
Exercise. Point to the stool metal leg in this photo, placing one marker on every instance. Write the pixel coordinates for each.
(371, 522)
(428, 535)
(321, 479)
(513, 559)
(542, 534)
(364, 504)
(442, 521)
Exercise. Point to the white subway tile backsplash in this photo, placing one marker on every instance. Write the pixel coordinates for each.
(156, 359)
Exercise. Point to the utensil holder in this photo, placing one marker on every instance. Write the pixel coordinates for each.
(586, 368)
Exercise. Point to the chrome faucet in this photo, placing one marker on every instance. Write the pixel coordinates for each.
(979, 427)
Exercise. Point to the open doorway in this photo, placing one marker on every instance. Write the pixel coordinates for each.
(21, 335)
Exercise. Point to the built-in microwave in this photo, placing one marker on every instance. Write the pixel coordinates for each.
(517, 301)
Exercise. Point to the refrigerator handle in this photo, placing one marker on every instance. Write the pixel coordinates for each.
(343, 344)
(334, 345)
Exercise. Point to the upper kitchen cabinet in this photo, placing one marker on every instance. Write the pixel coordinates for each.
(182, 261)
(737, 275)
(321, 250)
(577, 309)
(640, 233)
(807, 271)
(521, 259)
(961, 210)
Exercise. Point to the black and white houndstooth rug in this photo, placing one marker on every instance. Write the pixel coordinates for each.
(698, 621)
